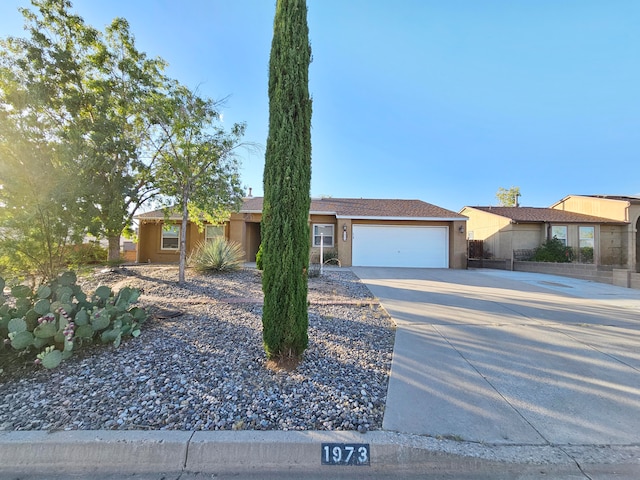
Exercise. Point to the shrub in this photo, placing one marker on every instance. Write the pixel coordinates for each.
(586, 254)
(553, 251)
(86, 254)
(54, 320)
(259, 258)
(218, 255)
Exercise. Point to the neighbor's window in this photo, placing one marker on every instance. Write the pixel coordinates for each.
(324, 232)
(170, 237)
(559, 232)
(587, 234)
(212, 232)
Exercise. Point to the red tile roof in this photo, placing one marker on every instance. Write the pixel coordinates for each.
(544, 215)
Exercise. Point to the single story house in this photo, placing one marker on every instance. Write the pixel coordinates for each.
(505, 231)
(361, 232)
(608, 224)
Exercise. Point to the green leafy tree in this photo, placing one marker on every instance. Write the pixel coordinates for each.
(287, 179)
(39, 196)
(38, 202)
(197, 170)
(93, 89)
(508, 198)
(121, 153)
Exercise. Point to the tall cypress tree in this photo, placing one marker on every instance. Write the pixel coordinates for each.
(287, 182)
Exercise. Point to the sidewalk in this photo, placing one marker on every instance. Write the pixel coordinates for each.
(94, 453)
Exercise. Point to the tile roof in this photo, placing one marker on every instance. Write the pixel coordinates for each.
(544, 215)
(368, 208)
(158, 215)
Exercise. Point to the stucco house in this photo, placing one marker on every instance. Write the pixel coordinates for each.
(607, 223)
(505, 231)
(362, 232)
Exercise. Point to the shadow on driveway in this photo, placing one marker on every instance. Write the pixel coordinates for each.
(516, 359)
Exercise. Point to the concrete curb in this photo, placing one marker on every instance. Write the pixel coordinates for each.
(141, 452)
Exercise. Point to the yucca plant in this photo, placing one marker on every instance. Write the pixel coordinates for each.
(218, 255)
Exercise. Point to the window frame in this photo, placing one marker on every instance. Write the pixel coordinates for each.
(565, 238)
(590, 239)
(318, 235)
(167, 229)
(208, 238)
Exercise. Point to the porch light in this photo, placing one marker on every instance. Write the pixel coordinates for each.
(344, 232)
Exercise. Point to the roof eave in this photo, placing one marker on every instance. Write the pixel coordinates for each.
(424, 219)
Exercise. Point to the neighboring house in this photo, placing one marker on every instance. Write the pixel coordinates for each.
(362, 232)
(608, 223)
(505, 231)
(625, 241)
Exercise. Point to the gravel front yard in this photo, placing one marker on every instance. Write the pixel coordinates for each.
(205, 369)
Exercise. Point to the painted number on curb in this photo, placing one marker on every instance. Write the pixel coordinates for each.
(345, 454)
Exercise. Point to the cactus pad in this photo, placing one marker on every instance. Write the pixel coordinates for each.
(17, 325)
(21, 340)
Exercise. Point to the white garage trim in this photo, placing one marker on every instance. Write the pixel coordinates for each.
(400, 246)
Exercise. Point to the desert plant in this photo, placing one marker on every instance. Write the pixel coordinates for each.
(259, 258)
(218, 255)
(56, 318)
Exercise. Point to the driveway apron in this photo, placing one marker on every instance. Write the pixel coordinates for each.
(511, 358)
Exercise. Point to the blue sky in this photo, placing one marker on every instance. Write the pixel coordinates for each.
(444, 101)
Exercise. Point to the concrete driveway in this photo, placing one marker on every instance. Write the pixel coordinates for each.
(510, 357)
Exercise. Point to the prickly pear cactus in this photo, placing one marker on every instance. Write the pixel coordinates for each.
(100, 320)
(49, 357)
(20, 291)
(103, 293)
(21, 340)
(57, 318)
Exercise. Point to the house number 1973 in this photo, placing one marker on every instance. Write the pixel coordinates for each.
(345, 454)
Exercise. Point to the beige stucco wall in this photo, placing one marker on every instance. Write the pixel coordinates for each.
(486, 226)
(150, 237)
(599, 207)
(458, 245)
(324, 220)
(614, 248)
(344, 244)
(242, 229)
(623, 249)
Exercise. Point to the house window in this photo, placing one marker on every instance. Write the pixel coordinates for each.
(587, 234)
(324, 232)
(559, 232)
(212, 232)
(170, 237)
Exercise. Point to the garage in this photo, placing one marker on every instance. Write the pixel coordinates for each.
(400, 246)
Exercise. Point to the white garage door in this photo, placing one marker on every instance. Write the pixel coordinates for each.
(400, 246)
